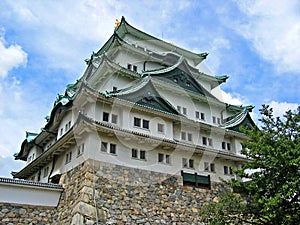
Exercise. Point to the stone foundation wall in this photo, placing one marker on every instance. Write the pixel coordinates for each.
(102, 193)
(12, 214)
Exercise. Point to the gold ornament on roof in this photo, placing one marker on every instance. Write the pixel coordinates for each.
(117, 23)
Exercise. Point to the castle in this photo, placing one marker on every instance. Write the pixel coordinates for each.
(142, 113)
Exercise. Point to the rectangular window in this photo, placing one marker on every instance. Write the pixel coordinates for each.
(190, 137)
(160, 127)
(134, 153)
(184, 163)
(179, 108)
(104, 147)
(224, 145)
(228, 146)
(105, 116)
(160, 157)
(80, 149)
(225, 170)
(204, 140)
(183, 135)
(206, 166)
(61, 131)
(114, 118)
(66, 128)
(115, 88)
(129, 66)
(142, 154)
(210, 141)
(212, 167)
(219, 120)
(191, 163)
(197, 115)
(137, 122)
(184, 110)
(113, 149)
(134, 68)
(168, 159)
(146, 124)
(202, 116)
(230, 170)
(214, 119)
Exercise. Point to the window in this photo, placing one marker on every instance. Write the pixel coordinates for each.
(168, 159)
(80, 149)
(46, 171)
(61, 131)
(183, 135)
(187, 163)
(160, 127)
(226, 146)
(114, 118)
(202, 116)
(207, 141)
(129, 66)
(146, 124)
(210, 141)
(184, 110)
(206, 166)
(184, 162)
(137, 122)
(212, 167)
(142, 154)
(113, 149)
(204, 140)
(230, 170)
(214, 119)
(104, 147)
(209, 167)
(134, 68)
(134, 153)
(223, 145)
(179, 108)
(197, 115)
(68, 157)
(225, 170)
(164, 158)
(219, 120)
(115, 88)
(160, 157)
(190, 137)
(105, 116)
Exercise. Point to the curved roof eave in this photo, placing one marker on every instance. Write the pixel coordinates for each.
(125, 28)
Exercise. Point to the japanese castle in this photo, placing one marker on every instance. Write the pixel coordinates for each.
(141, 103)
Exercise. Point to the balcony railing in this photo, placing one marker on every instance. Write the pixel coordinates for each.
(194, 179)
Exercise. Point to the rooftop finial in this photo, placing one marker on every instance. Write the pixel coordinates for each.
(117, 23)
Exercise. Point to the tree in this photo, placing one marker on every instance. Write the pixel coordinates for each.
(272, 173)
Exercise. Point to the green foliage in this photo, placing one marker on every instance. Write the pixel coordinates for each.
(272, 174)
(229, 210)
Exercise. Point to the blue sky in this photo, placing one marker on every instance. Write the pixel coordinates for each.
(43, 45)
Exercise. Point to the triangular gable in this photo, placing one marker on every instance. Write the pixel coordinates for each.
(179, 74)
(144, 93)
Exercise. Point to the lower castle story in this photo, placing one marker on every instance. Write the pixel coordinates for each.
(103, 193)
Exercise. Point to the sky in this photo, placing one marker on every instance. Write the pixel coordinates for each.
(43, 45)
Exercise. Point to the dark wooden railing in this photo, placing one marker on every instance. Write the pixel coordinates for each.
(196, 180)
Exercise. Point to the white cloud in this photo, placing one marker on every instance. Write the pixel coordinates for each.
(279, 108)
(231, 98)
(273, 27)
(217, 50)
(10, 57)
